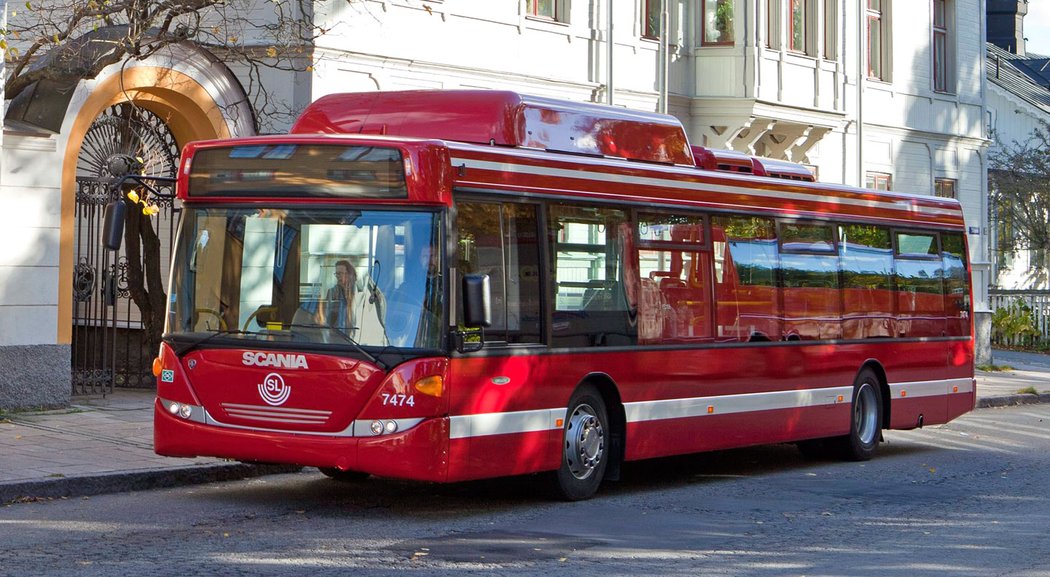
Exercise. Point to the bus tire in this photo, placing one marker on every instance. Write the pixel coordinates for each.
(585, 446)
(343, 476)
(865, 430)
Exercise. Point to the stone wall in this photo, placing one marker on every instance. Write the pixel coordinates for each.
(34, 376)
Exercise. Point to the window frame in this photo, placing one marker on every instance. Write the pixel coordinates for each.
(942, 57)
(805, 24)
(651, 32)
(949, 183)
(879, 14)
(559, 11)
(875, 178)
(703, 23)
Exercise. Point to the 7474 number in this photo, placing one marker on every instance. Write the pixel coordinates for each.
(398, 400)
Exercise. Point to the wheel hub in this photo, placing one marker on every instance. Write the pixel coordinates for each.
(584, 442)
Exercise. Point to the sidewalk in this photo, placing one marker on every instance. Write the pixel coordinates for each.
(105, 445)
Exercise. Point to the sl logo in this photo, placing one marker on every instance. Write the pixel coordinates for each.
(273, 390)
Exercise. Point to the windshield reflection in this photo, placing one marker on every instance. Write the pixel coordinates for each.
(308, 276)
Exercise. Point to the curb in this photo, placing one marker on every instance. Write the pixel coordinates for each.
(122, 481)
(1012, 400)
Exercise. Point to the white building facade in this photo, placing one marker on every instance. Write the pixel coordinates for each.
(880, 93)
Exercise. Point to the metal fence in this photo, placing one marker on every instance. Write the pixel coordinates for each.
(108, 346)
(1020, 317)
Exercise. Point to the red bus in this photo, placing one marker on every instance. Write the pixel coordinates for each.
(454, 285)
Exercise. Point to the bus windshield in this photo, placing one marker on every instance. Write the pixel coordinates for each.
(307, 276)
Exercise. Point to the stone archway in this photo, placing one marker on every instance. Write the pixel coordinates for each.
(143, 111)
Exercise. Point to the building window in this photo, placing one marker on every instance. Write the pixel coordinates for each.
(878, 181)
(944, 187)
(651, 18)
(831, 37)
(798, 16)
(942, 64)
(876, 40)
(772, 21)
(556, 10)
(718, 22)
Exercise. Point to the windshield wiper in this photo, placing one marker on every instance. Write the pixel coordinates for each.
(195, 344)
(357, 346)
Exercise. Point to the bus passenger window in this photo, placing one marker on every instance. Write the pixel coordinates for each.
(675, 274)
(920, 291)
(956, 288)
(500, 240)
(866, 258)
(594, 304)
(745, 253)
(809, 272)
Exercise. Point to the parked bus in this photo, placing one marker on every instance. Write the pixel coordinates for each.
(455, 285)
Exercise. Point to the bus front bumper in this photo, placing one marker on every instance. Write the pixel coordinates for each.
(420, 453)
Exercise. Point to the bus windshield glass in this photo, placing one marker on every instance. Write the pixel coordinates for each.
(361, 278)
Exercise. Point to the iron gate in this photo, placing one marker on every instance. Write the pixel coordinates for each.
(109, 346)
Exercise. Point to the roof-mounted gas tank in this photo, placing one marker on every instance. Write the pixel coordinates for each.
(502, 118)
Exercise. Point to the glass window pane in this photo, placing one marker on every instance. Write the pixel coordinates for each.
(667, 228)
(866, 259)
(807, 237)
(875, 47)
(595, 274)
(500, 240)
(798, 26)
(718, 21)
(745, 263)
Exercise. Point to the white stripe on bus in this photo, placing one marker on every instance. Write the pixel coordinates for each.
(485, 424)
(898, 205)
(930, 388)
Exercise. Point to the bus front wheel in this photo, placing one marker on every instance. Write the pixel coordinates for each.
(585, 446)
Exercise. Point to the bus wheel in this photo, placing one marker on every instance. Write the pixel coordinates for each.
(865, 430)
(585, 447)
(343, 476)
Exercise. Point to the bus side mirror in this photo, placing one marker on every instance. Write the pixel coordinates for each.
(113, 225)
(477, 297)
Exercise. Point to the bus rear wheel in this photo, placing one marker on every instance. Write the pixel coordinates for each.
(865, 432)
(585, 446)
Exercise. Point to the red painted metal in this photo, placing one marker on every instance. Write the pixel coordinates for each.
(498, 141)
(504, 119)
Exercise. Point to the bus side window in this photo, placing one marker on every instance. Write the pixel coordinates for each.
(919, 286)
(746, 262)
(956, 288)
(501, 240)
(591, 252)
(675, 274)
(866, 259)
(809, 272)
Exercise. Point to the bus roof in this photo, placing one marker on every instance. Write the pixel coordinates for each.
(502, 118)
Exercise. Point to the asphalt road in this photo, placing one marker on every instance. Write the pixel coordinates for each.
(969, 498)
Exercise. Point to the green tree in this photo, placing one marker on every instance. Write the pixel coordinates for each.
(1019, 186)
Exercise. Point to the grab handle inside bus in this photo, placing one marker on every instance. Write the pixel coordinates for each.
(113, 225)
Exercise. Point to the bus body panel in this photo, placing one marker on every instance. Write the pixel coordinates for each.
(680, 387)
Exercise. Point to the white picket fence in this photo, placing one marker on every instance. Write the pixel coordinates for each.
(1037, 301)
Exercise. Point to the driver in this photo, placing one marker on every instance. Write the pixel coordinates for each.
(356, 308)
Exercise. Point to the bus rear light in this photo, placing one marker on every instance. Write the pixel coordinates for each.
(158, 366)
(433, 386)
